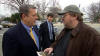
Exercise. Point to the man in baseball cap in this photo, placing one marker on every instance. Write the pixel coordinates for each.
(77, 38)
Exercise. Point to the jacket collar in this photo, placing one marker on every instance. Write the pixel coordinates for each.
(77, 29)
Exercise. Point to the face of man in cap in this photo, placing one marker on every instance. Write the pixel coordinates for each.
(69, 21)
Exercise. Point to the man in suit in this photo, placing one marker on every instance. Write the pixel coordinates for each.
(22, 39)
(47, 32)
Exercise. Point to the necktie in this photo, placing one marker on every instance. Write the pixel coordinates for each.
(50, 28)
(31, 33)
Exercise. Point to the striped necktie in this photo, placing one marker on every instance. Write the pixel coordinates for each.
(31, 33)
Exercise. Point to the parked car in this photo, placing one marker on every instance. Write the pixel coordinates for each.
(1, 27)
(55, 29)
(38, 23)
(7, 24)
(87, 20)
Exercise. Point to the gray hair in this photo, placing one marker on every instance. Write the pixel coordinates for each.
(24, 9)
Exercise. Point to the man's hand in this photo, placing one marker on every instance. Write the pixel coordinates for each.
(48, 50)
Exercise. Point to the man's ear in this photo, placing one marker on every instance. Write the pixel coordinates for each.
(23, 15)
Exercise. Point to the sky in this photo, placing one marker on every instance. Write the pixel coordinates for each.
(82, 3)
(63, 3)
(4, 11)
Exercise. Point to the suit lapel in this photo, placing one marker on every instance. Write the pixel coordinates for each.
(46, 24)
(26, 36)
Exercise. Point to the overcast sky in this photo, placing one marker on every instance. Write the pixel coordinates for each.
(83, 3)
(63, 3)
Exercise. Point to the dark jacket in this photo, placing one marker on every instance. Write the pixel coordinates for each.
(17, 42)
(44, 31)
(84, 41)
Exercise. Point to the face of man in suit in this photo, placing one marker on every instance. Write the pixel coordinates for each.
(50, 18)
(30, 18)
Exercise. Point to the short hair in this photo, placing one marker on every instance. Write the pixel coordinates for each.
(50, 14)
(24, 9)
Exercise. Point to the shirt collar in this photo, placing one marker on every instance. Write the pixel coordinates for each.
(26, 27)
(48, 21)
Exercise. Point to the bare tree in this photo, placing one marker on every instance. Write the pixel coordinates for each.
(42, 7)
(14, 4)
(53, 3)
(94, 11)
(55, 10)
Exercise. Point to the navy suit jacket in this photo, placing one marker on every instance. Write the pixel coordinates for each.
(17, 42)
(44, 31)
